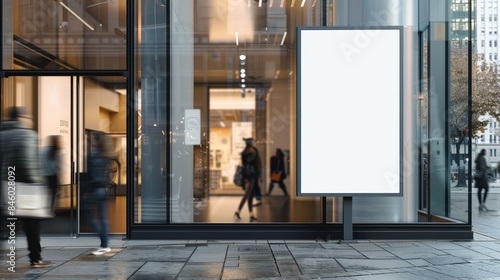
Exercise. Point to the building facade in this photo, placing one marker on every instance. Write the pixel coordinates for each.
(178, 84)
(487, 39)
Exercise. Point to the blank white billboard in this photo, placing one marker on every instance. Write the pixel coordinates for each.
(349, 86)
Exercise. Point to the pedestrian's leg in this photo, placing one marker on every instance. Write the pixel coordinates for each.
(32, 230)
(248, 192)
(283, 187)
(250, 197)
(257, 192)
(53, 185)
(103, 224)
(89, 209)
(484, 198)
(271, 186)
(479, 198)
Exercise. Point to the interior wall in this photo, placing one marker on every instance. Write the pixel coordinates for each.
(55, 92)
(98, 98)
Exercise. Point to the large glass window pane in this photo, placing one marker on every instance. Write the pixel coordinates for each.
(64, 34)
(220, 92)
(460, 155)
(430, 145)
(151, 134)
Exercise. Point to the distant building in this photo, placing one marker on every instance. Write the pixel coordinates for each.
(487, 38)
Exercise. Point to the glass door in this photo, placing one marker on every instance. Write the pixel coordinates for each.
(101, 110)
(70, 109)
(50, 102)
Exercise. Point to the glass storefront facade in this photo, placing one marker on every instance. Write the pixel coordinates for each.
(178, 84)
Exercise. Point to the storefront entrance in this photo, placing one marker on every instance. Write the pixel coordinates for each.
(72, 107)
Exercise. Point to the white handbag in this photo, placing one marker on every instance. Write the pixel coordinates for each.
(26, 200)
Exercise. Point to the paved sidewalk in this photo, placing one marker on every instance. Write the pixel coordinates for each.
(267, 259)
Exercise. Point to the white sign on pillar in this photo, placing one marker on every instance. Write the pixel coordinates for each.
(349, 92)
(192, 127)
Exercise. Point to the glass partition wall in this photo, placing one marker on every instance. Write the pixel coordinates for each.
(178, 84)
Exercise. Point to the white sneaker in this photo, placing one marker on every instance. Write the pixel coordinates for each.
(101, 251)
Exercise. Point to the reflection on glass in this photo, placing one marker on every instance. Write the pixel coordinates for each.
(57, 35)
(232, 61)
(150, 190)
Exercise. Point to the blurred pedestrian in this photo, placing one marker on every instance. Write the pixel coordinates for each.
(95, 196)
(51, 165)
(277, 168)
(481, 179)
(19, 150)
(251, 173)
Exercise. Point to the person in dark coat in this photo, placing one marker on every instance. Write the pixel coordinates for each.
(19, 149)
(277, 164)
(481, 179)
(251, 173)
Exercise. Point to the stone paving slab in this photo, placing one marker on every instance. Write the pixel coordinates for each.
(205, 259)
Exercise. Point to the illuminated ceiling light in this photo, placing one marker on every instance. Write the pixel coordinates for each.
(242, 80)
(302, 4)
(260, 3)
(242, 70)
(243, 75)
(314, 3)
(242, 63)
(77, 16)
(293, 3)
(283, 40)
(237, 39)
(271, 3)
(243, 86)
(282, 4)
(243, 57)
(222, 124)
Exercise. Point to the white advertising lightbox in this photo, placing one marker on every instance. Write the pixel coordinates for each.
(349, 91)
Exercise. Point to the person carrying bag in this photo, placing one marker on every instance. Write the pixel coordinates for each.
(23, 186)
(277, 166)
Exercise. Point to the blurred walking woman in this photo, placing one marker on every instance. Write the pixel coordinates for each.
(251, 173)
(481, 179)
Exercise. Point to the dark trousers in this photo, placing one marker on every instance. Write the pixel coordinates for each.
(249, 193)
(96, 204)
(482, 184)
(280, 184)
(256, 191)
(32, 230)
(53, 184)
